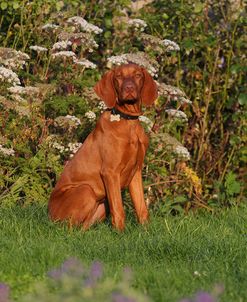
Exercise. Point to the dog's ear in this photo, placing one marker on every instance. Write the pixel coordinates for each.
(149, 91)
(105, 89)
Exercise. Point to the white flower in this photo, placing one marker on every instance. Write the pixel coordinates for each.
(62, 45)
(50, 26)
(8, 76)
(177, 114)
(12, 59)
(138, 58)
(38, 49)
(84, 62)
(174, 92)
(57, 146)
(7, 151)
(74, 119)
(64, 54)
(102, 106)
(73, 148)
(182, 152)
(146, 121)
(137, 24)
(84, 25)
(27, 90)
(170, 45)
(90, 115)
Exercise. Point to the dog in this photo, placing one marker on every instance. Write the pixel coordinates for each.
(111, 157)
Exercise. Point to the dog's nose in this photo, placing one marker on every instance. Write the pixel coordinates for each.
(129, 87)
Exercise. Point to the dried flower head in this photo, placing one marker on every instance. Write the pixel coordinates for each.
(6, 151)
(67, 122)
(89, 94)
(182, 152)
(27, 90)
(9, 76)
(173, 92)
(177, 114)
(146, 121)
(12, 59)
(50, 27)
(139, 58)
(170, 45)
(83, 25)
(83, 39)
(64, 55)
(38, 49)
(61, 45)
(159, 45)
(84, 63)
(137, 24)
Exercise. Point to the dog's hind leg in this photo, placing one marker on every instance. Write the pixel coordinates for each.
(76, 205)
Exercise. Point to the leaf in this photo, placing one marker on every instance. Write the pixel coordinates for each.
(4, 5)
(231, 184)
(16, 5)
(242, 99)
(198, 7)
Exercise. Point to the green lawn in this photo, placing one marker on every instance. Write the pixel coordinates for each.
(173, 257)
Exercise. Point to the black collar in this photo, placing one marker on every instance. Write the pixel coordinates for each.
(125, 116)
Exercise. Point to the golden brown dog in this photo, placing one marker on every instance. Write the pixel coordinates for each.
(111, 157)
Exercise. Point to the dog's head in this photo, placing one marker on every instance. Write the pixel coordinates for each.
(128, 83)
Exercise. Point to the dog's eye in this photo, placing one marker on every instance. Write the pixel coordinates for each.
(138, 75)
(118, 76)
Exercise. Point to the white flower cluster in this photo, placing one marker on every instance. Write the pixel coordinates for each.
(57, 146)
(74, 119)
(137, 24)
(28, 90)
(61, 45)
(146, 121)
(182, 152)
(38, 49)
(64, 54)
(102, 106)
(12, 59)
(84, 62)
(174, 92)
(50, 27)
(7, 151)
(138, 58)
(90, 115)
(170, 45)
(73, 148)
(177, 114)
(8, 76)
(83, 39)
(84, 25)
(68, 122)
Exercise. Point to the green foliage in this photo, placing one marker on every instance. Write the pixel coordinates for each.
(209, 67)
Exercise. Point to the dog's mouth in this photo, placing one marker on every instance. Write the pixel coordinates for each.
(127, 101)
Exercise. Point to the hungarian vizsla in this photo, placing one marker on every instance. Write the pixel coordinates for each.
(111, 157)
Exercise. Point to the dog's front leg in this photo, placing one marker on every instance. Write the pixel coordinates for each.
(111, 180)
(137, 196)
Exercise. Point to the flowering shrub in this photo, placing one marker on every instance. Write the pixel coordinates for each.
(48, 106)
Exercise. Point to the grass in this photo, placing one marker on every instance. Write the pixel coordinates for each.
(164, 256)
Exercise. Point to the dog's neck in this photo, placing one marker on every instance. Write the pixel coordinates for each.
(130, 109)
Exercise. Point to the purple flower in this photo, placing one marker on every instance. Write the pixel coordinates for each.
(120, 298)
(4, 292)
(204, 297)
(55, 274)
(72, 265)
(96, 270)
